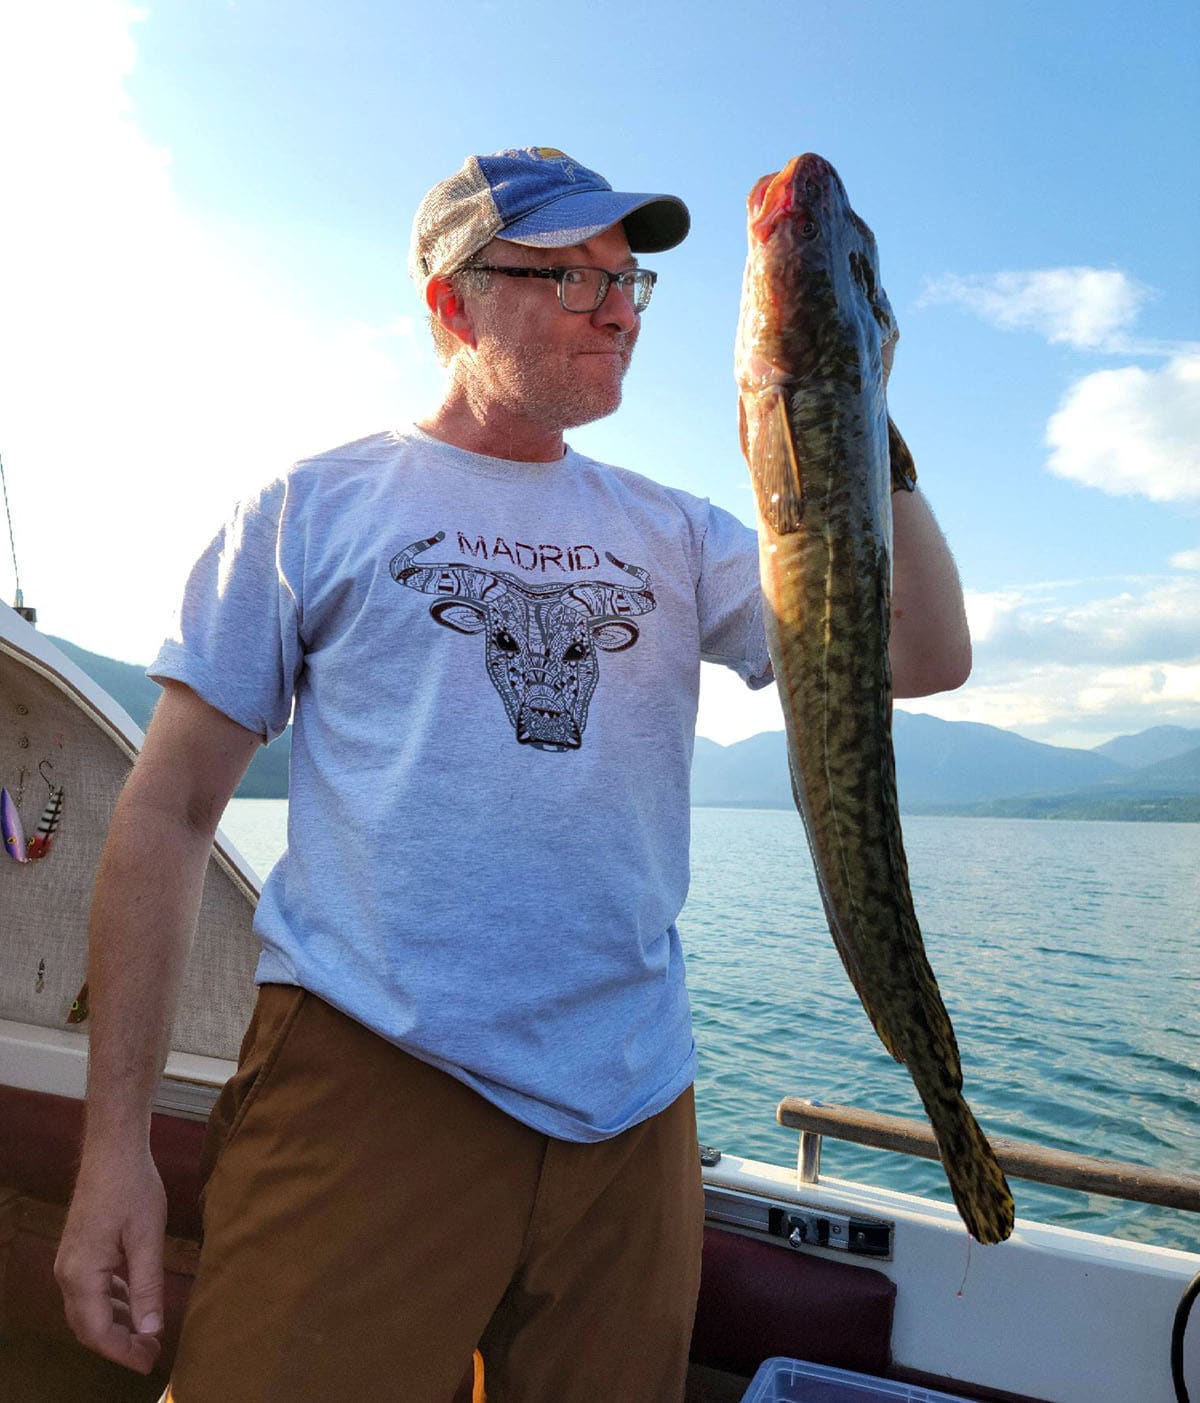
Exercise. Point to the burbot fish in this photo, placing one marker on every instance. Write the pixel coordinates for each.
(825, 458)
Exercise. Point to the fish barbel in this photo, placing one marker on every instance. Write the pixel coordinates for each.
(824, 458)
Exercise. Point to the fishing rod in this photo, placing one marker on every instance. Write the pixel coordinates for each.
(28, 613)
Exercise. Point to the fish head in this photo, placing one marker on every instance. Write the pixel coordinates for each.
(813, 307)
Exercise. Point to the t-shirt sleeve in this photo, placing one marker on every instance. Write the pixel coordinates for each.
(236, 641)
(730, 599)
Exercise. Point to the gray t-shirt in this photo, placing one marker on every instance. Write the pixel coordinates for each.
(495, 668)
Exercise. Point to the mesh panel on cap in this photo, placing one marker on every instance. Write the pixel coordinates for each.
(454, 221)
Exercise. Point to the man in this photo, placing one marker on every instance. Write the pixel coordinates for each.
(463, 1110)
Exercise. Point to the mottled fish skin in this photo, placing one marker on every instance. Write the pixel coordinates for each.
(824, 458)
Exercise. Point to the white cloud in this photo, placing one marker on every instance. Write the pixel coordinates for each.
(987, 611)
(1186, 560)
(1077, 673)
(1050, 663)
(1132, 431)
(1072, 662)
(1126, 431)
(730, 711)
(1074, 704)
(151, 371)
(1086, 307)
(1148, 622)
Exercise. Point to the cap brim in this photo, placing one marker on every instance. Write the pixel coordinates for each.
(652, 222)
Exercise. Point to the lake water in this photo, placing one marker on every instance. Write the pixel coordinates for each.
(1068, 955)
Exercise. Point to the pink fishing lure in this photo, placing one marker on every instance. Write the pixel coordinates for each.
(10, 828)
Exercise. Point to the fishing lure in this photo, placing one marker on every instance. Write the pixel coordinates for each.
(39, 844)
(10, 828)
(79, 1009)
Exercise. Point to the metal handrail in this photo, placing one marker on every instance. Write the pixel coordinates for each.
(1020, 1158)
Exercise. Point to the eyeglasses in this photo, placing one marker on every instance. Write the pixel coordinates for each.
(584, 289)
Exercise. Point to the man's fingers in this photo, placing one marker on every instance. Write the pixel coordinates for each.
(122, 1346)
(105, 1326)
(143, 1255)
(100, 1320)
(143, 1351)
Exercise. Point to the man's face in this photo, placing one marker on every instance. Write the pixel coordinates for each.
(551, 367)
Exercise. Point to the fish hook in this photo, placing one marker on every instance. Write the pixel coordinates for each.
(49, 782)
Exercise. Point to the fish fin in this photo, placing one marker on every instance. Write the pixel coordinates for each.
(981, 1193)
(862, 987)
(904, 470)
(935, 1029)
(10, 828)
(844, 946)
(882, 1031)
(770, 450)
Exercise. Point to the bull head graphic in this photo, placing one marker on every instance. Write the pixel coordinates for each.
(543, 641)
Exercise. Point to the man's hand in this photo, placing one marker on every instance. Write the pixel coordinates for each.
(109, 1263)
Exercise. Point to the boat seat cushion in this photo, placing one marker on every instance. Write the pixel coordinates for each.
(758, 1300)
(39, 1153)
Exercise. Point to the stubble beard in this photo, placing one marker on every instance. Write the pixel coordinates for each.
(544, 385)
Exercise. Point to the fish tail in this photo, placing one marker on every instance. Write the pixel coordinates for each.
(977, 1182)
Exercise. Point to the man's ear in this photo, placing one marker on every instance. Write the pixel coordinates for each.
(447, 307)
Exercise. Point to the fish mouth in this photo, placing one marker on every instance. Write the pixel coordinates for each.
(776, 197)
(772, 200)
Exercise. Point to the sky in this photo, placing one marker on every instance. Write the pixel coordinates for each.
(204, 218)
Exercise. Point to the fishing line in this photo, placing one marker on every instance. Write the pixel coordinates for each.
(958, 1295)
(12, 545)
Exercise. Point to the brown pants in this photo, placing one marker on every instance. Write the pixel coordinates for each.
(369, 1221)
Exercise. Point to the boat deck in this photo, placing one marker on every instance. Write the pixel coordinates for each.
(757, 1299)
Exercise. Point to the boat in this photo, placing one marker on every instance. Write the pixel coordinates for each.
(858, 1281)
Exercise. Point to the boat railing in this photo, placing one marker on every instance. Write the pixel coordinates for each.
(1019, 1158)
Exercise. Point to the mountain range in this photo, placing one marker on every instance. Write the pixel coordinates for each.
(961, 767)
(267, 775)
(942, 767)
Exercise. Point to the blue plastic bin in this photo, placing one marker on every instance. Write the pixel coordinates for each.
(795, 1381)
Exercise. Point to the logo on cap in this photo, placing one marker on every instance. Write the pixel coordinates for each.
(551, 153)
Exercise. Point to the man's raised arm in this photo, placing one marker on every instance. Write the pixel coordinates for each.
(144, 911)
(931, 644)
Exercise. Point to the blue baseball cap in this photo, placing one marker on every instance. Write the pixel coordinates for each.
(536, 195)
